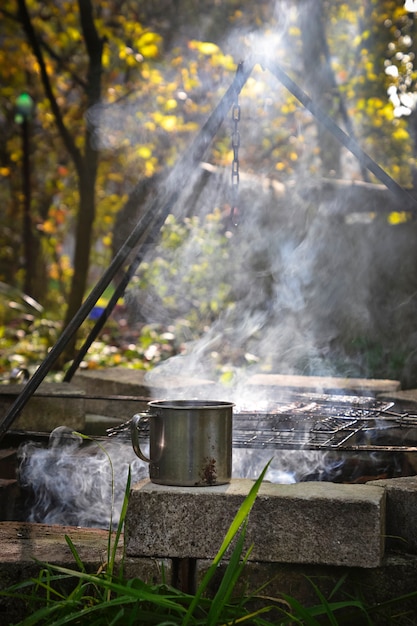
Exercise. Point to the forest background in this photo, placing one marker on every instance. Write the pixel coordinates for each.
(99, 100)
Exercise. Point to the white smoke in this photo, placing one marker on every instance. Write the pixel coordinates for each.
(74, 483)
(287, 466)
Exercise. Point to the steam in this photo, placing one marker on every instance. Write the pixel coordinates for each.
(287, 466)
(74, 483)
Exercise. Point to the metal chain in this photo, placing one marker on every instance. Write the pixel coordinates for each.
(235, 162)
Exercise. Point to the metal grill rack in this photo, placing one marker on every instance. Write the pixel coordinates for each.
(317, 422)
(324, 422)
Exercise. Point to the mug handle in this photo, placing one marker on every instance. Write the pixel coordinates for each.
(134, 431)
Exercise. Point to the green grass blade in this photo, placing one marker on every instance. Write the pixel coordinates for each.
(234, 528)
(249, 617)
(392, 602)
(83, 612)
(241, 515)
(142, 592)
(338, 585)
(230, 577)
(299, 613)
(75, 554)
(47, 614)
(327, 610)
(330, 608)
(120, 525)
(15, 590)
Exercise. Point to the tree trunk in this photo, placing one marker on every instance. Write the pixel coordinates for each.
(319, 81)
(87, 174)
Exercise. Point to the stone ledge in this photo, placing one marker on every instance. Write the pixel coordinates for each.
(22, 542)
(50, 406)
(312, 522)
(325, 384)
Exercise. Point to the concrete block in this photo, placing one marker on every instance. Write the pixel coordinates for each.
(49, 407)
(401, 523)
(310, 522)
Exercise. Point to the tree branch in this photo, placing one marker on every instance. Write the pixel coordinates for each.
(61, 63)
(94, 45)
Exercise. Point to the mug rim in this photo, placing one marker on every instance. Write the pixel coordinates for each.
(190, 404)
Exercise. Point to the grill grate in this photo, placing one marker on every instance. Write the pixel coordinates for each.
(316, 422)
(330, 432)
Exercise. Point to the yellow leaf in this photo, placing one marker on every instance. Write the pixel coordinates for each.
(148, 38)
(73, 33)
(150, 167)
(227, 378)
(401, 134)
(106, 57)
(54, 272)
(169, 122)
(205, 47)
(398, 217)
(115, 176)
(151, 51)
(144, 152)
(131, 61)
(171, 104)
(48, 227)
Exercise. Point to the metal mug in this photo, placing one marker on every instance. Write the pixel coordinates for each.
(190, 442)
